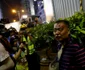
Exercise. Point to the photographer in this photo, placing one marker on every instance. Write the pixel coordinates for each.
(32, 57)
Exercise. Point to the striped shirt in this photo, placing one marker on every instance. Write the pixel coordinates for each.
(72, 57)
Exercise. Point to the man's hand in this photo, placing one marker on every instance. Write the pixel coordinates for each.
(22, 46)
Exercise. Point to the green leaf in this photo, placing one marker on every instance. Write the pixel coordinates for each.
(82, 31)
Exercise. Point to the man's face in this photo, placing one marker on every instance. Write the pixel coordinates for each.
(61, 31)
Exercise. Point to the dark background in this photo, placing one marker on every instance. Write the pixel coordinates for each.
(7, 6)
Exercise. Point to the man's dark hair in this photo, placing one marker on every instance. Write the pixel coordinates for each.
(64, 21)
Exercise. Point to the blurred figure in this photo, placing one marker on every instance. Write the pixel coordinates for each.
(12, 33)
(7, 55)
(6, 63)
(32, 57)
(37, 21)
(30, 24)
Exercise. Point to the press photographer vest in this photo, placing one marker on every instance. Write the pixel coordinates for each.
(30, 45)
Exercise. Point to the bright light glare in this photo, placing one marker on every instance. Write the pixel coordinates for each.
(14, 20)
(14, 11)
(24, 16)
(42, 1)
(34, 0)
(38, 5)
(48, 7)
(22, 10)
(16, 25)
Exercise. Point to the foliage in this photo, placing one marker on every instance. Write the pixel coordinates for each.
(42, 35)
(77, 25)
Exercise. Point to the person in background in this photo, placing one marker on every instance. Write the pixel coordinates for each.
(30, 23)
(7, 56)
(37, 21)
(6, 62)
(70, 55)
(12, 32)
(32, 57)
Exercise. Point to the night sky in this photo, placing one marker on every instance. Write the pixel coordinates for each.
(7, 6)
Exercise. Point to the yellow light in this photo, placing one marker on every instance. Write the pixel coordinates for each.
(14, 11)
(14, 20)
(23, 11)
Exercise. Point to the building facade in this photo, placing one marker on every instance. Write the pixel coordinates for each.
(0, 11)
(55, 9)
(65, 8)
(41, 11)
(26, 6)
(35, 8)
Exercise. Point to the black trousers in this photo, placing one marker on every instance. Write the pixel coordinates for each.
(33, 61)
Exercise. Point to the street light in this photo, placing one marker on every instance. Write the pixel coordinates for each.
(18, 12)
(14, 11)
(14, 20)
(22, 11)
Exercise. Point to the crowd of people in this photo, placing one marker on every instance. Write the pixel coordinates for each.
(12, 46)
(70, 55)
